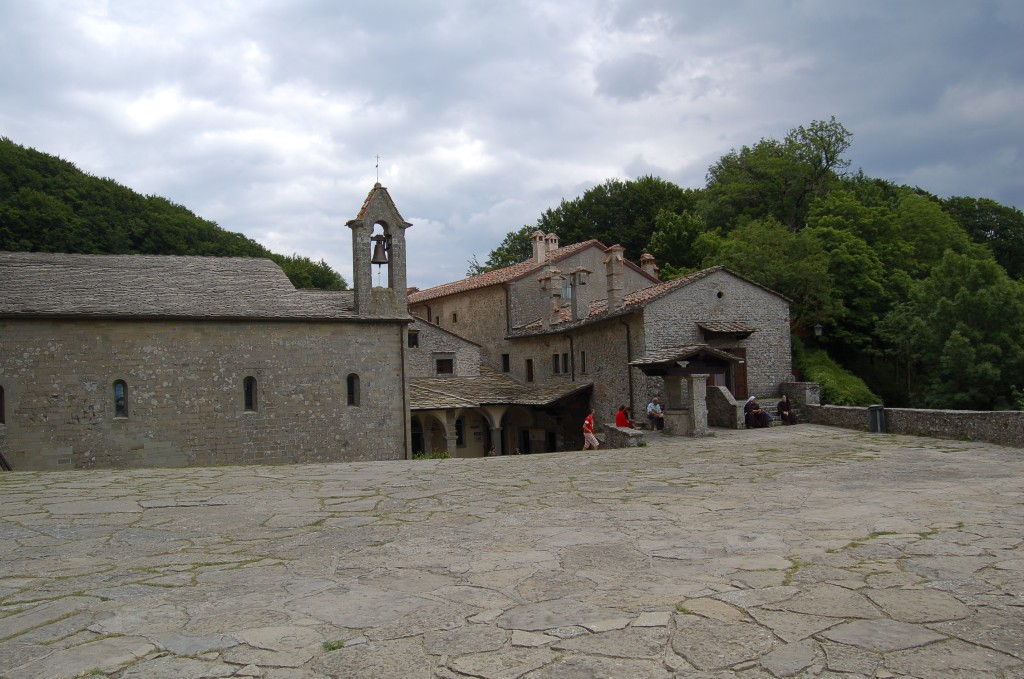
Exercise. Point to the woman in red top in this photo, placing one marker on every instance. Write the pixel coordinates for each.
(622, 418)
(589, 440)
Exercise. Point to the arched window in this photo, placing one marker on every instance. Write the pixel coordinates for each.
(249, 386)
(120, 399)
(353, 389)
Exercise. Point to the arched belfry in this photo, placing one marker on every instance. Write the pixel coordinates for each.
(378, 250)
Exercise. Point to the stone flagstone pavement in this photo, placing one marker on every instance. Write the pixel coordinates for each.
(786, 552)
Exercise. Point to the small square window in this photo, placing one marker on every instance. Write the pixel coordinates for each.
(445, 366)
(414, 339)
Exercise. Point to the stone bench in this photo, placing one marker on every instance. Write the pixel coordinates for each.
(622, 437)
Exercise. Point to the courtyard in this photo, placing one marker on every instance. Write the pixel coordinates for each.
(802, 551)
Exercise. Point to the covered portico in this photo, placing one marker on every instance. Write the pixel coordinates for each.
(466, 416)
(684, 372)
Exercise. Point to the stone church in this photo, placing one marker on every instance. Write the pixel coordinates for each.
(131, 361)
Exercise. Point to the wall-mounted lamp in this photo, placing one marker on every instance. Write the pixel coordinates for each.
(818, 329)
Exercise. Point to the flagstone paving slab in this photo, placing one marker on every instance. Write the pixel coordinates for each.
(801, 551)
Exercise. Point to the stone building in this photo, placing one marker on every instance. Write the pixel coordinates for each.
(118, 361)
(583, 315)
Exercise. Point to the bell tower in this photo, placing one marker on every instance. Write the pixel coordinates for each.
(378, 240)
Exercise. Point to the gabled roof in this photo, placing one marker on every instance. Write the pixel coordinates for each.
(380, 194)
(488, 388)
(38, 284)
(505, 275)
(631, 303)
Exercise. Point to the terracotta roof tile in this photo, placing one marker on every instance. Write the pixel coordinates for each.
(490, 387)
(505, 275)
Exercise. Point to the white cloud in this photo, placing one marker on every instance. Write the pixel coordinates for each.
(268, 117)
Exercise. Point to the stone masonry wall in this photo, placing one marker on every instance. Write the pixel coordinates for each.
(479, 316)
(1000, 427)
(672, 321)
(185, 392)
(433, 341)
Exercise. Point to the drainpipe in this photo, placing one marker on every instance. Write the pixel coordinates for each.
(629, 373)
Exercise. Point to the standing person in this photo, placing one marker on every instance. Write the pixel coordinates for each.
(785, 410)
(655, 415)
(589, 440)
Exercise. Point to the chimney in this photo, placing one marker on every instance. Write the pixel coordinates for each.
(577, 279)
(552, 241)
(551, 284)
(648, 265)
(614, 265)
(539, 242)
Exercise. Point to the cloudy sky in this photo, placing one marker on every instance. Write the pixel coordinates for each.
(267, 117)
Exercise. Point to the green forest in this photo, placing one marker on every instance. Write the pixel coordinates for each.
(49, 205)
(919, 299)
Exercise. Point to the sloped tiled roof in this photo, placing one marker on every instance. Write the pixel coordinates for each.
(631, 303)
(381, 193)
(152, 286)
(488, 388)
(505, 275)
(683, 353)
(727, 327)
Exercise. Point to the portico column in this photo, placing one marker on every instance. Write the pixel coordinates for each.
(698, 405)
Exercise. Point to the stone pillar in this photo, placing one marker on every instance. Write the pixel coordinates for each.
(698, 385)
(362, 280)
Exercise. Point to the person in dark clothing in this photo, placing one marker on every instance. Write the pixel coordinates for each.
(785, 410)
(754, 417)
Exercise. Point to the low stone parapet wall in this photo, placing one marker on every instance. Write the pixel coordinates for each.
(1003, 427)
(622, 437)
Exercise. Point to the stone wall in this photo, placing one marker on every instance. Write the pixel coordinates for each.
(434, 341)
(672, 321)
(185, 396)
(723, 410)
(1000, 427)
(478, 315)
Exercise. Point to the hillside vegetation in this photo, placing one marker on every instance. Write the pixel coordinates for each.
(49, 205)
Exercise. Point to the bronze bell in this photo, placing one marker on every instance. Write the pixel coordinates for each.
(380, 250)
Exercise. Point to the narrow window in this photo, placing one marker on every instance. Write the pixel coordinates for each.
(445, 366)
(460, 435)
(414, 339)
(506, 363)
(249, 387)
(353, 389)
(565, 363)
(120, 399)
(529, 370)
(455, 317)
(583, 361)
(430, 318)
(3, 408)
(555, 364)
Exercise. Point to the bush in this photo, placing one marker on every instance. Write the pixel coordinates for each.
(838, 386)
(436, 455)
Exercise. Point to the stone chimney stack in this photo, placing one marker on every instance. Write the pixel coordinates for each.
(539, 241)
(614, 264)
(578, 279)
(648, 265)
(552, 241)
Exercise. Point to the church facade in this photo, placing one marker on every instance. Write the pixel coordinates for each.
(131, 361)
